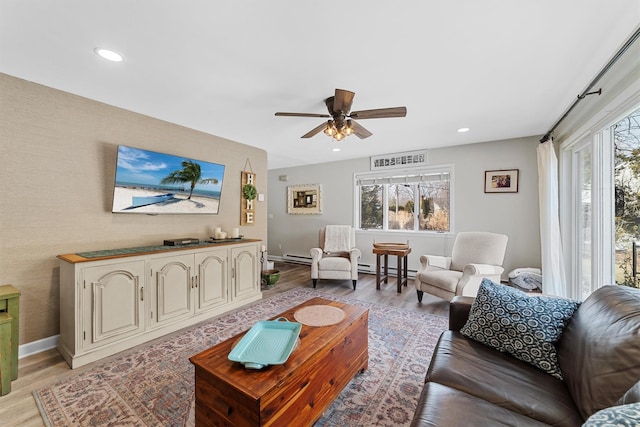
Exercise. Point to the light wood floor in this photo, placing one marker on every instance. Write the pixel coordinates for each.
(18, 408)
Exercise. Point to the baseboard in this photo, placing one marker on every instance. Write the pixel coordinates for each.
(35, 347)
(362, 268)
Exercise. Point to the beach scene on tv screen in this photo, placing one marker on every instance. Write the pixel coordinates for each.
(157, 183)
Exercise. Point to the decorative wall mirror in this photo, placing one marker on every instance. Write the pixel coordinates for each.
(305, 199)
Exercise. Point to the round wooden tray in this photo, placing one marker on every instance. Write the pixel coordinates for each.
(319, 315)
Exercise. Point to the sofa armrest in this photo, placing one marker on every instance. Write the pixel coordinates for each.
(472, 275)
(482, 270)
(354, 255)
(437, 261)
(316, 254)
(459, 310)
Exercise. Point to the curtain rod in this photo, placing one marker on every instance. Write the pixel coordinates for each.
(586, 92)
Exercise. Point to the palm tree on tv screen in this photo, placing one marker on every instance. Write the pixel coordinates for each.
(190, 173)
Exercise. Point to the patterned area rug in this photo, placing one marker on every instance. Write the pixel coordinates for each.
(154, 385)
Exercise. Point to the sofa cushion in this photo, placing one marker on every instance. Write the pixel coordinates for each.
(440, 405)
(522, 325)
(621, 416)
(443, 279)
(599, 351)
(474, 368)
(338, 263)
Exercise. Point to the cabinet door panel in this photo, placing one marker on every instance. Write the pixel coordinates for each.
(172, 285)
(212, 279)
(245, 272)
(115, 296)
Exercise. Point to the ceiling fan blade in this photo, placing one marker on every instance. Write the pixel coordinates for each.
(342, 101)
(302, 115)
(360, 131)
(380, 113)
(315, 131)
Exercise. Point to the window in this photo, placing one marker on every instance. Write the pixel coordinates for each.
(600, 209)
(416, 200)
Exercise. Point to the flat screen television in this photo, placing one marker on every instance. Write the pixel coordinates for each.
(148, 182)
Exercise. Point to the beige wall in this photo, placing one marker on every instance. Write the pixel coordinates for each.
(515, 215)
(58, 154)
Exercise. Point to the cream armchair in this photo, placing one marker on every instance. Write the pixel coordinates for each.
(475, 255)
(338, 265)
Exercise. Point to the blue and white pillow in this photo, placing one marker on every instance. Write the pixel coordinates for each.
(527, 327)
(619, 416)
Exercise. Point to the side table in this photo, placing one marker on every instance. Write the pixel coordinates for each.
(402, 252)
(9, 316)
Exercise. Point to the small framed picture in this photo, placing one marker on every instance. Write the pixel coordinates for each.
(501, 181)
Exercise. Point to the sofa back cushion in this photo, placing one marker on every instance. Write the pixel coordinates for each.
(599, 352)
(478, 247)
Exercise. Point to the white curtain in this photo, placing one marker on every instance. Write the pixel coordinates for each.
(553, 272)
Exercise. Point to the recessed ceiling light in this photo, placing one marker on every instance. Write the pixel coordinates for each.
(335, 149)
(109, 55)
(463, 130)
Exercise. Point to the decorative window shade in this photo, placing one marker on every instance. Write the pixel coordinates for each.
(402, 179)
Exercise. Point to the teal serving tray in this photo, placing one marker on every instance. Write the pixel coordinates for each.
(268, 342)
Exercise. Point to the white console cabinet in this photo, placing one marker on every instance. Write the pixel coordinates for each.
(112, 302)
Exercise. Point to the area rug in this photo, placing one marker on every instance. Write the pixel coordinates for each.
(153, 385)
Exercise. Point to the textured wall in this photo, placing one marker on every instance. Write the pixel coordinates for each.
(58, 154)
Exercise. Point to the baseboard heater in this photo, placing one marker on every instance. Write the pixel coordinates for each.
(363, 268)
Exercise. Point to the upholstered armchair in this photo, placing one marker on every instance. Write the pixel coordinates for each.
(336, 257)
(475, 255)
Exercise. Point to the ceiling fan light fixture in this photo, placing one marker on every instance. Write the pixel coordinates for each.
(330, 130)
(340, 124)
(348, 130)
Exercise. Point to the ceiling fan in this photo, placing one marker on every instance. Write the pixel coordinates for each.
(341, 121)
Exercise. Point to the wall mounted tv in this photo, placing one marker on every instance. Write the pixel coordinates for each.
(153, 183)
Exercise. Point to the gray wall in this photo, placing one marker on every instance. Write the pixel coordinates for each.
(515, 215)
(58, 156)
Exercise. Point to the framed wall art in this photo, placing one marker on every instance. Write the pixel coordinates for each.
(501, 181)
(305, 199)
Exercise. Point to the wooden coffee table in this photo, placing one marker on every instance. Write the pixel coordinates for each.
(294, 393)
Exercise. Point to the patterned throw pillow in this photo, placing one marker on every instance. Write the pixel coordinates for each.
(524, 326)
(622, 416)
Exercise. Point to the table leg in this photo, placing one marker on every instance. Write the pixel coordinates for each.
(386, 268)
(406, 269)
(400, 274)
(5, 353)
(13, 308)
(378, 271)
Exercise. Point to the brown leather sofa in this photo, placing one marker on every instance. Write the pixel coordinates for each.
(471, 384)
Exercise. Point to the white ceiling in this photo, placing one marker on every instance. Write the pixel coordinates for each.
(504, 68)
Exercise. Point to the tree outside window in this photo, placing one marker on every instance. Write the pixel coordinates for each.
(413, 202)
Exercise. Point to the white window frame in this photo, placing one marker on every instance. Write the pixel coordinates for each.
(596, 132)
(444, 168)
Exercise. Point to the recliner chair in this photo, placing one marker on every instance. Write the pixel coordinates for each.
(338, 265)
(475, 255)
